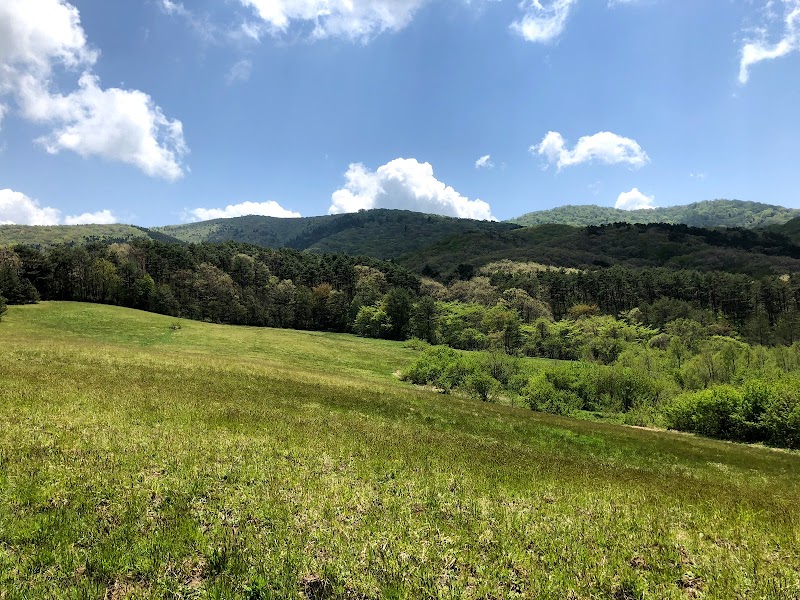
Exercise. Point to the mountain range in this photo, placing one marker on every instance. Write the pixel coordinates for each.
(732, 235)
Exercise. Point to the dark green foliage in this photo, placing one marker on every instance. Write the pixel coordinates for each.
(712, 213)
(225, 283)
(3, 308)
(752, 252)
(381, 233)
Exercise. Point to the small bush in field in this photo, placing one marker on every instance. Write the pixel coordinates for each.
(482, 386)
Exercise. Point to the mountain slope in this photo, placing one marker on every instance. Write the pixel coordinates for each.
(381, 233)
(39, 235)
(790, 229)
(754, 252)
(711, 213)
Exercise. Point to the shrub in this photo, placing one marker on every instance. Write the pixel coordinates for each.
(543, 396)
(781, 417)
(417, 344)
(482, 386)
(707, 412)
(429, 367)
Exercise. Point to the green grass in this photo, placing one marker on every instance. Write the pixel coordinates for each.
(140, 460)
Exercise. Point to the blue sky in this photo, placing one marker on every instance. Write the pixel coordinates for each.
(158, 112)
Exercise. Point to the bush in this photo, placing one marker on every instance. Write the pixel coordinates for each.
(781, 417)
(482, 386)
(3, 307)
(429, 367)
(543, 396)
(417, 344)
(707, 412)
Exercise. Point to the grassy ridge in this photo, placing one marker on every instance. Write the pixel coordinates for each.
(139, 459)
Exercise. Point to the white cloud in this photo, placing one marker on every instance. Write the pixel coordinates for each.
(634, 200)
(604, 147)
(404, 183)
(267, 209)
(239, 72)
(101, 217)
(761, 49)
(18, 209)
(39, 37)
(544, 20)
(354, 19)
(484, 162)
(701, 176)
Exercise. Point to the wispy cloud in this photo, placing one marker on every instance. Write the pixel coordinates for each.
(760, 48)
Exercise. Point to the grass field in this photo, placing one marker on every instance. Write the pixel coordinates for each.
(146, 457)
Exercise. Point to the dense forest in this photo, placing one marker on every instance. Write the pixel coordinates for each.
(712, 213)
(690, 331)
(752, 252)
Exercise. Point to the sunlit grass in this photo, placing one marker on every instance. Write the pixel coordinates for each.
(143, 456)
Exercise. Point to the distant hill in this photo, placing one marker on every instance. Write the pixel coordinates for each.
(754, 252)
(711, 213)
(790, 229)
(380, 233)
(43, 235)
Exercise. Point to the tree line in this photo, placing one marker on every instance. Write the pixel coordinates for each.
(496, 307)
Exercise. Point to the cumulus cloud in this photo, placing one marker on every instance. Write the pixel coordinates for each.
(760, 49)
(634, 200)
(267, 209)
(101, 217)
(484, 162)
(18, 209)
(604, 147)
(40, 38)
(354, 19)
(543, 20)
(404, 183)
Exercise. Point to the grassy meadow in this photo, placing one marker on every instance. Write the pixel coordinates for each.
(143, 456)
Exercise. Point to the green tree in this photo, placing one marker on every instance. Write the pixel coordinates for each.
(423, 319)
(397, 305)
(3, 308)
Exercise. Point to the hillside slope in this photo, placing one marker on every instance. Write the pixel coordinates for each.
(380, 233)
(790, 229)
(44, 235)
(710, 213)
(752, 252)
(144, 456)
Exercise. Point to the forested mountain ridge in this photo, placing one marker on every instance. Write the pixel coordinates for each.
(710, 213)
(790, 229)
(751, 252)
(381, 233)
(52, 235)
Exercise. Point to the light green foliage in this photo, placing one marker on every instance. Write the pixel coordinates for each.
(51, 235)
(142, 460)
(712, 213)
